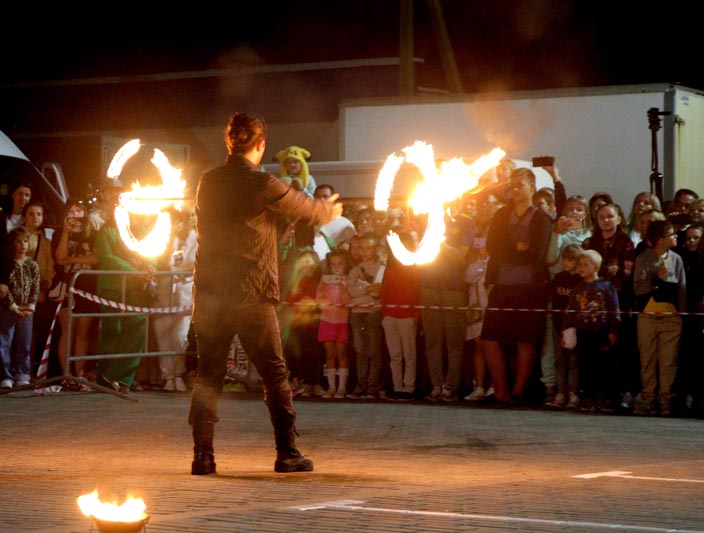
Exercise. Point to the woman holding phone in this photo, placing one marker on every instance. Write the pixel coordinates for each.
(74, 249)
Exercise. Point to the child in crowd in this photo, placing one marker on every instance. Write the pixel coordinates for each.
(354, 250)
(16, 312)
(294, 169)
(660, 287)
(364, 284)
(334, 330)
(400, 298)
(611, 240)
(300, 319)
(566, 362)
(642, 203)
(591, 325)
(643, 220)
(573, 226)
(545, 199)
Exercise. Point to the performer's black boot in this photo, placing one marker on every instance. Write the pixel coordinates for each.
(288, 458)
(203, 461)
(203, 457)
(291, 460)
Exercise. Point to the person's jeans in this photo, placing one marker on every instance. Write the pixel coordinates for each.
(366, 334)
(16, 357)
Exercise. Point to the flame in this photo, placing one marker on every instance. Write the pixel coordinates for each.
(131, 510)
(126, 151)
(440, 185)
(147, 201)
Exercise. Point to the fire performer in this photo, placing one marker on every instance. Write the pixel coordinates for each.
(236, 286)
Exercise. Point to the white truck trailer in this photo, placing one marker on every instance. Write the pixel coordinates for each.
(603, 138)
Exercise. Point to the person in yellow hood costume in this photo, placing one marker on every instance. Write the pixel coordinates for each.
(294, 169)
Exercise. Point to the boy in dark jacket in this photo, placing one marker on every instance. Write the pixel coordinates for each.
(594, 313)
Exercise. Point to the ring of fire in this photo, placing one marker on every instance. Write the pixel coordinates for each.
(147, 201)
(439, 186)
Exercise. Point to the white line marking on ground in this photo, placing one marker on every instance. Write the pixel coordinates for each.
(353, 505)
(625, 475)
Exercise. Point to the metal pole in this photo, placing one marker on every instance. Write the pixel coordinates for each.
(407, 82)
(447, 56)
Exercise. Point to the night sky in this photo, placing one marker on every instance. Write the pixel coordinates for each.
(499, 45)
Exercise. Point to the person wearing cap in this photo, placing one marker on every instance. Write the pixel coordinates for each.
(108, 191)
(237, 289)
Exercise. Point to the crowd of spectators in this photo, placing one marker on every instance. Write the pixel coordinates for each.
(536, 298)
(494, 318)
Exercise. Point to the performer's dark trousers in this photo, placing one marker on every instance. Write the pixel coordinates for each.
(258, 329)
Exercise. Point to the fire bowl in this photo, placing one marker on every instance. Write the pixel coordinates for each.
(111, 526)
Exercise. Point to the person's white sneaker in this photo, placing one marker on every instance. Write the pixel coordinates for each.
(6, 384)
(477, 395)
(180, 385)
(21, 383)
(170, 386)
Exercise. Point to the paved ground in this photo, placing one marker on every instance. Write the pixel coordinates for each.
(380, 467)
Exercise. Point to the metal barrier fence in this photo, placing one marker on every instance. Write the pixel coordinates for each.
(122, 309)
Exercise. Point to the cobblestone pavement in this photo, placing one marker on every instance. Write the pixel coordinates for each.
(379, 467)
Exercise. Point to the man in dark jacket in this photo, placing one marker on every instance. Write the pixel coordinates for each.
(236, 285)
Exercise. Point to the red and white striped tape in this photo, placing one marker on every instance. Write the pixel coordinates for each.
(44, 363)
(127, 307)
(180, 309)
(519, 309)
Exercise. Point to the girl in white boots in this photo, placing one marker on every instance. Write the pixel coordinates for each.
(333, 299)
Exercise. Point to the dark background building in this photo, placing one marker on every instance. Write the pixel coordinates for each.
(74, 85)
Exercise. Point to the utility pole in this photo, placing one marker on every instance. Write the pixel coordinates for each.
(407, 81)
(442, 39)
